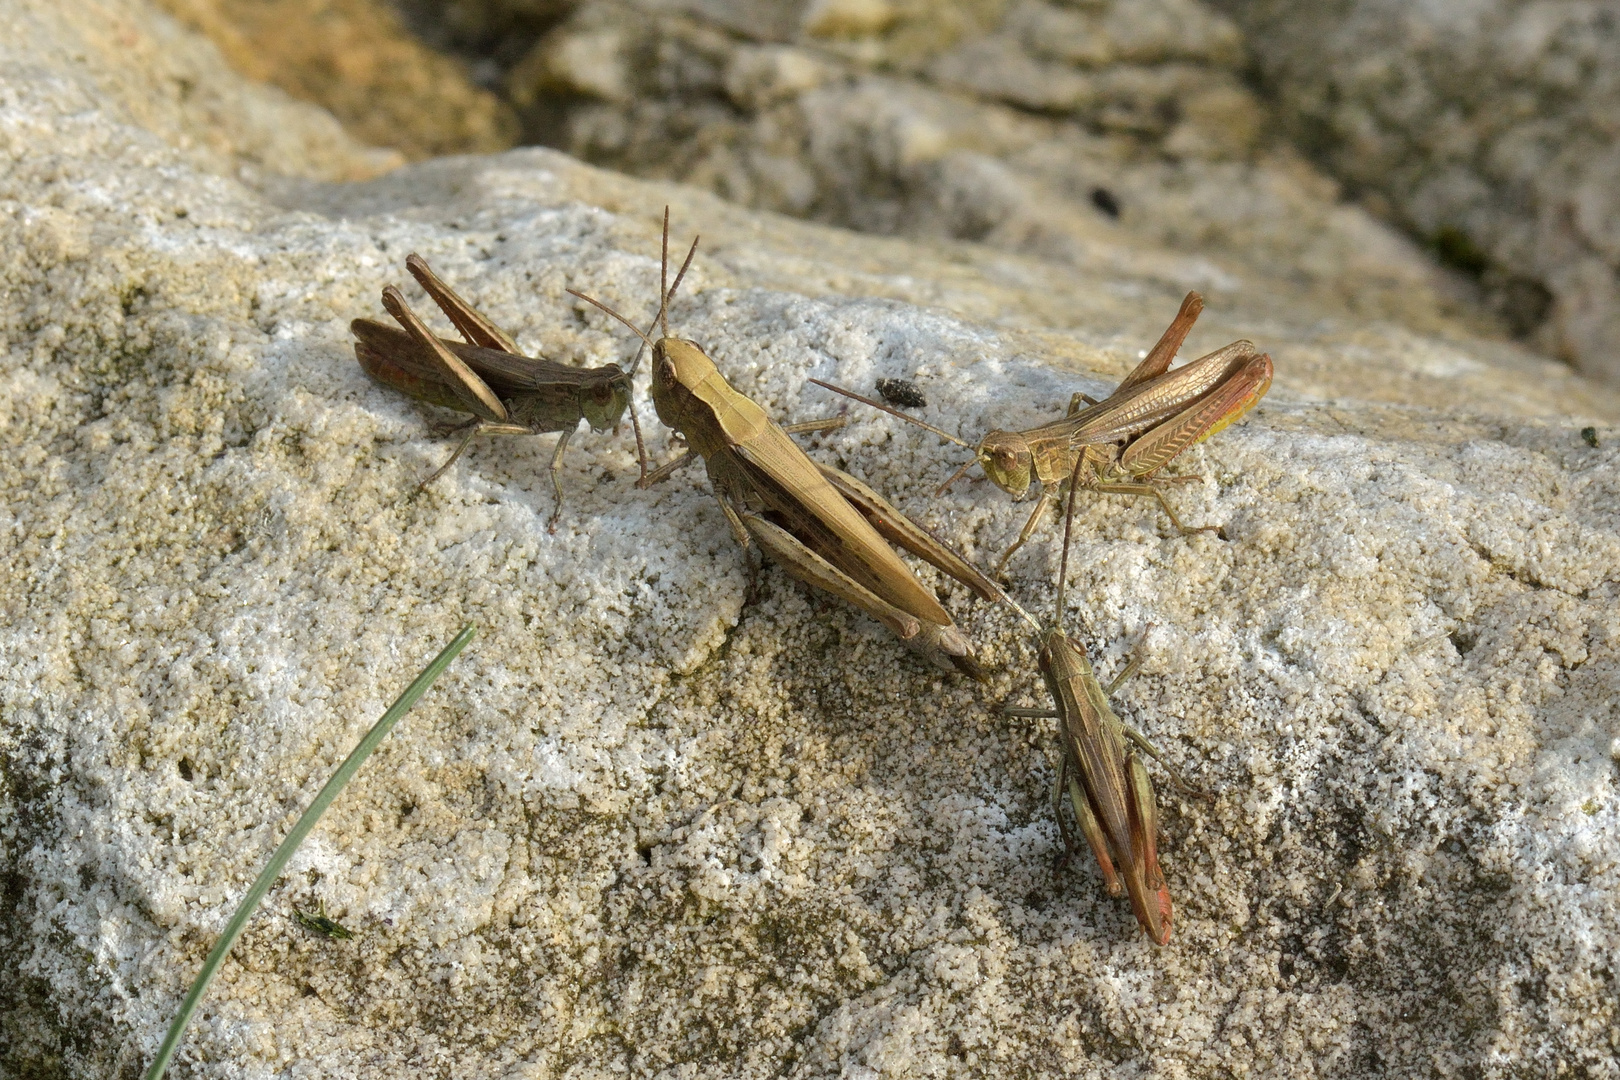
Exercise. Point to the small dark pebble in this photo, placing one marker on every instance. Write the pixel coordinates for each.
(901, 392)
(1587, 433)
(1104, 200)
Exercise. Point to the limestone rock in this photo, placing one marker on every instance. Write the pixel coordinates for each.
(659, 822)
(1490, 128)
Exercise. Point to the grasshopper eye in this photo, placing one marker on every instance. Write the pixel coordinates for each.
(602, 394)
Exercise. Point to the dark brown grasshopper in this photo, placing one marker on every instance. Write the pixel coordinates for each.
(506, 392)
(824, 527)
(1125, 439)
(1105, 780)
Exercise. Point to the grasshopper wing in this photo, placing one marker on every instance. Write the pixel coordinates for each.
(804, 503)
(898, 528)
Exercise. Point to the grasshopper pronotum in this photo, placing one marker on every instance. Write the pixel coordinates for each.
(506, 392)
(1123, 440)
(824, 527)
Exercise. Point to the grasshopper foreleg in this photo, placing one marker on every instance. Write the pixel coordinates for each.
(556, 477)
(665, 471)
(1119, 680)
(1047, 498)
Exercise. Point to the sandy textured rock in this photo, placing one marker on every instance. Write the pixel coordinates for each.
(1489, 127)
(654, 823)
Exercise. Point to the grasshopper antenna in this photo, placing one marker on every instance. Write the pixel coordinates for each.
(666, 291)
(662, 316)
(685, 266)
(893, 412)
(947, 436)
(1068, 531)
(1034, 623)
(635, 425)
(645, 340)
(636, 363)
(955, 476)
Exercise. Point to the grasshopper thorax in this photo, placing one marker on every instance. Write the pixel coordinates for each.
(1007, 461)
(678, 362)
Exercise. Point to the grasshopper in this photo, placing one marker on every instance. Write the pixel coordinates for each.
(1126, 438)
(1105, 779)
(506, 392)
(320, 924)
(824, 527)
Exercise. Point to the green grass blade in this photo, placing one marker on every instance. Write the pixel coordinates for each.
(278, 861)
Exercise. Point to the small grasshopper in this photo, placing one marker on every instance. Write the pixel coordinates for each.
(320, 924)
(824, 527)
(1105, 779)
(1126, 438)
(507, 393)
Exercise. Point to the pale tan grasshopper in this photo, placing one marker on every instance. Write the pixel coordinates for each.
(1105, 779)
(824, 527)
(506, 392)
(1125, 439)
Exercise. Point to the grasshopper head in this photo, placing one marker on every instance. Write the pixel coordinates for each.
(1006, 460)
(603, 401)
(679, 368)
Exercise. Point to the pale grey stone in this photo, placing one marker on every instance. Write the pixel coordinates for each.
(662, 821)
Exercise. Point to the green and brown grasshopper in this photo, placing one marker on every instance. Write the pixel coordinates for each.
(1125, 439)
(506, 392)
(824, 527)
(320, 924)
(1105, 780)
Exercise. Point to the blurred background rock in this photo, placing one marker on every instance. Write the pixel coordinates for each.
(1489, 128)
(1082, 131)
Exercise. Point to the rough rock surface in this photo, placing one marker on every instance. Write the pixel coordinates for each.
(655, 822)
(1492, 127)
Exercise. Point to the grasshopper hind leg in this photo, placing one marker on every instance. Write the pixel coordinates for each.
(1153, 491)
